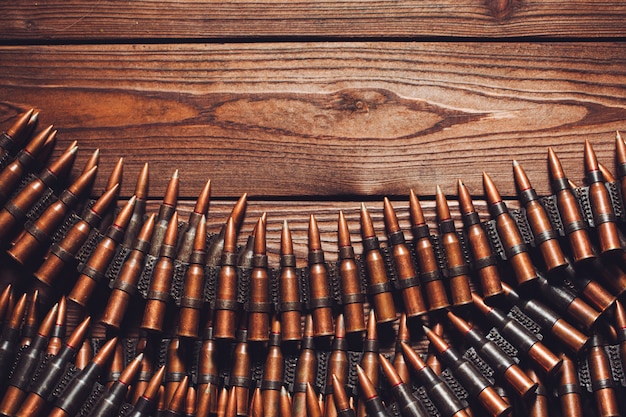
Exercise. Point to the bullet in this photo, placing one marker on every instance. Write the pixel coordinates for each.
(312, 405)
(147, 402)
(399, 362)
(256, 404)
(27, 365)
(430, 276)
(190, 402)
(337, 366)
(273, 373)
(441, 395)
(603, 214)
(432, 360)
(115, 368)
(500, 362)
(187, 237)
(40, 389)
(245, 255)
(205, 398)
(192, 299)
(111, 402)
(9, 338)
(218, 245)
(208, 372)
(161, 405)
(569, 389)
(139, 211)
(526, 342)
(340, 398)
(583, 279)
(568, 302)
(175, 369)
(84, 354)
(484, 260)
(548, 320)
(96, 266)
(115, 178)
(620, 162)
(369, 397)
(538, 405)
(46, 150)
(125, 285)
(306, 369)
(408, 405)
(226, 305)
(176, 405)
(620, 326)
(14, 212)
(477, 386)
(285, 403)
(231, 406)
(166, 211)
(5, 302)
(63, 253)
(515, 249)
(24, 162)
(222, 402)
(378, 285)
(159, 291)
(29, 326)
(11, 139)
(602, 381)
(320, 302)
(58, 331)
(38, 234)
(544, 234)
(457, 269)
(93, 160)
(369, 360)
(240, 371)
(290, 305)
(259, 305)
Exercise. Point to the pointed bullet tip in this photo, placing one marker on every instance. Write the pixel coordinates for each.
(175, 174)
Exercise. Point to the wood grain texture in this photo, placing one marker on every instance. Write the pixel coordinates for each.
(112, 20)
(325, 119)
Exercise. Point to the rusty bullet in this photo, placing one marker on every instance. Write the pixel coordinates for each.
(273, 373)
(484, 260)
(601, 207)
(306, 369)
(125, 284)
(602, 381)
(259, 305)
(457, 270)
(226, 305)
(96, 266)
(290, 305)
(38, 234)
(409, 405)
(139, 212)
(192, 299)
(166, 211)
(477, 386)
(218, 245)
(321, 302)
(430, 276)
(159, 291)
(503, 365)
(569, 389)
(515, 249)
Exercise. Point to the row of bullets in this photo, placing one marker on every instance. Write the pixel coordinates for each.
(580, 275)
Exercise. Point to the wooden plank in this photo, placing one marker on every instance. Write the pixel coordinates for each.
(236, 19)
(325, 120)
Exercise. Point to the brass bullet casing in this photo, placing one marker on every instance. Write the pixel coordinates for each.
(159, 291)
(313, 408)
(306, 370)
(538, 405)
(574, 224)
(548, 320)
(477, 386)
(38, 234)
(256, 404)
(285, 403)
(12, 138)
(352, 297)
(273, 373)
(603, 214)
(525, 341)
(546, 237)
(125, 284)
(514, 247)
(569, 390)
(369, 398)
(620, 327)
(430, 276)
(484, 260)
(63, 253)
(96, 266)
(399, 362)
(226, 305)
(175, 370)
(218, 245)
(602, 381)
(116, 366)
(205, 398)
(192, 299)
(457, 269)
(240, 372)
(166, 211)
(208, 372)
(259, 305)
(290, 305)
(321, 302)
(25, 161)
(499, 361)
(369, 360)
(564, 299)
(446, 401)
(337, 366)
(407, 279)
(340, 398)
(139, 212)
(14, 212)
(188, 236)
(583, 278)
(408, 404)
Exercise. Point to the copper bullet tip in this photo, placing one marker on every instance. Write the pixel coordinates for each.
(308, 326)
(177, 403)
(480, 304)
(339, 395)
(415, 209)
(105, 200)
(123, 218)
(15, 321)
(77, 336)
(443, 210)
(152, 390)
(521, 179)
(171, 193)
(554, 165)
(230, 236)
(259, 240)
(608, 176)
(286, 244)
(492, 193)
(436, 341)
(63, 164)
(591, 162)
(367, 227)
(84, 181)
(239, 210)
(372, 333)
(343, 233)
(92, 161)
(105, 352)
(20, 124)
(148, 227)
(37, 143)
(367, 388)
(403, 329)
(202, 203)
(312, 405)
(315, 242)
(390, 217)
(47, 324)
(459, 323)
(340, 327)
(171, 234)
(465, 199)
(116, 174)
(390, 372)
(142, 184)
(412, 357)
(199, 241)
(131, 370)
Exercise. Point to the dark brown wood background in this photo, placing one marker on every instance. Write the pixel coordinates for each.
(311, 107)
